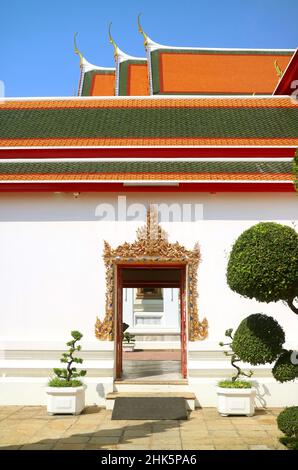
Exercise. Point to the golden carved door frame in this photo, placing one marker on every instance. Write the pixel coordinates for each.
(151, 247)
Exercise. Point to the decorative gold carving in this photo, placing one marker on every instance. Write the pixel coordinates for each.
(278, 70)
(77, 51)
(141, 31)
(111, 40)
(152, 246)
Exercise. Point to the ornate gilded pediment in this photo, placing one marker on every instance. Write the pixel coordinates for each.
(152, 246)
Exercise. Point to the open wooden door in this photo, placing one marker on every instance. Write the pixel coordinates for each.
(119, 325)
(183, 330)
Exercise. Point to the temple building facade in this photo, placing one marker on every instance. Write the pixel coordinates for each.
(121, 205)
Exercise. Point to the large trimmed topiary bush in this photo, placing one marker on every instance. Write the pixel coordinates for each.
(258, 339)
(284, 369)
(263, 264)
(287, 421)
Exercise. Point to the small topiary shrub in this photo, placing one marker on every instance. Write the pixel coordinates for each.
(258, 339)
(284, 370)
(69, 377)
(287, 421)
(263, 264)
(128, 338)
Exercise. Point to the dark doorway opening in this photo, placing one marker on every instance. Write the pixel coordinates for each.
(150, 280)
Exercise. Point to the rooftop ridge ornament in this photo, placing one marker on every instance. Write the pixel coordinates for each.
(278, 70)
(111, 40)
(77, 51)
(142, 32)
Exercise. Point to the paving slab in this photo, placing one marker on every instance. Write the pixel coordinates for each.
(29, 428)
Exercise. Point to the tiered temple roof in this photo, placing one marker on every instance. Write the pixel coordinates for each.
(170, 70)
(184, 119)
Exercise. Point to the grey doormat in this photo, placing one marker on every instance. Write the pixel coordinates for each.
(150, 408)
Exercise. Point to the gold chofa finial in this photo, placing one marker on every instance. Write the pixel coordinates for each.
(279, 72)
(113, 42)
(141, 31)
(77, 50)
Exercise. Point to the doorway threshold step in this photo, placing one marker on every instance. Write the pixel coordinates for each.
(145, 385)
(189, 397)
(152, 382)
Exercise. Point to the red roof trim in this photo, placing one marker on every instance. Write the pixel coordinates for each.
(145, 152)
(118, 187)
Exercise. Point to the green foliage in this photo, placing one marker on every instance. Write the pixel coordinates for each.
(234, 384)
(287, 421)
(67, 377)
(56, 382)
(290, 442)
(128, 338)
(258, 339)
(239, 372)
(284, 370)
(263, 263)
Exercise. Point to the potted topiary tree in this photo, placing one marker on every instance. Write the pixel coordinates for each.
(65, 391)
(263, 265)
(128, 339)
(235, 396)
(128, 342)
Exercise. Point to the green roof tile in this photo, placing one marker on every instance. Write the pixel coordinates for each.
(149, 122)
(65, 167)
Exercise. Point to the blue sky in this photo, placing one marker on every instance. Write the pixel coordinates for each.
(36, 37)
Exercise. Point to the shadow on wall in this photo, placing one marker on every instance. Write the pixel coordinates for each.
(262, 392)
(100, 391)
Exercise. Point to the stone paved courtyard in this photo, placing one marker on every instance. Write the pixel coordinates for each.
(30, 427)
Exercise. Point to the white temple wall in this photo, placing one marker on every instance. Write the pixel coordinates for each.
(52, 278)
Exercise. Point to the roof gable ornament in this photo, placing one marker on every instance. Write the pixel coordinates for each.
(142, 32)
(84, 64)
(111, 40)
(77, 51)
(278, 70)
(119, 55)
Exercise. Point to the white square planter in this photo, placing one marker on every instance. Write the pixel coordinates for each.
(66, 400)
(236, 401)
